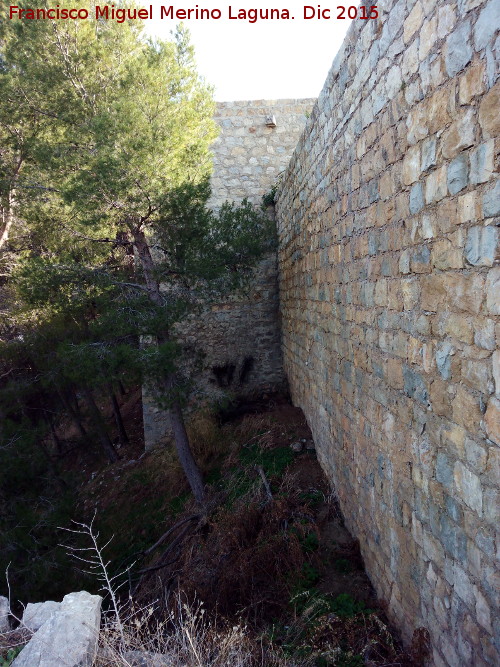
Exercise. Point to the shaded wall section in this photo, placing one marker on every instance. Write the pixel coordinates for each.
(239, 339)
(390, 296)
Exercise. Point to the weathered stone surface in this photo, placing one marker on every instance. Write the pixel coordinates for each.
(491, 201)
(436, 185)
(472, 82)
(468, 487)
(482, 162)
(486, 25)
(69, 637)
(493, 291)
(413, 22)
(428, 37)
(495, 359)
(411, 165)
(4, 614)
(457, 175)
(459, 135)
(492, 420)
(484, 334)
(428, 154)
(443, 359)
(416, 198)
(482, 245)
(36, 613)
(446, 20)
(488, 112)
(389, 319)
(458, 51)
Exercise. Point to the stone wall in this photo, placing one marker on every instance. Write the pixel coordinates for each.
(390, 296)
(240, 338)
(249, 155)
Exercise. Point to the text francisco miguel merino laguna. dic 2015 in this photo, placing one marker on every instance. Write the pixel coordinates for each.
(120, 14)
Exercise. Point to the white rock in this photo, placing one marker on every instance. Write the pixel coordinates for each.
(36, 613)
(68, 638)
(4, 614)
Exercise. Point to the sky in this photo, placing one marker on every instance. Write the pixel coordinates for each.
(268, 59)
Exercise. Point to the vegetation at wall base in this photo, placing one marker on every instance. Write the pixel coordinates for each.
(264, 565)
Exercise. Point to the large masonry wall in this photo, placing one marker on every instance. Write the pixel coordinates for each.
(390, 296)
(249, 155)
(240, 338)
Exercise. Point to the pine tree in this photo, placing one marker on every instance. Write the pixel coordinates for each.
(114, 132)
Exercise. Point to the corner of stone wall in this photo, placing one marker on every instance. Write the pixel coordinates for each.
(239, 338)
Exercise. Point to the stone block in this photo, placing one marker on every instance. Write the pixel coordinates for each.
(411, 165)
(436, 109)
(458, 50)
(36, 613)
(492, 420)
(428, 154)
(416, 198)
(467, 208)
(472, 83)
(445, 256)
(489, 118)
(434, 292)
(486, 25)
(457, 174)
(417, 123)
(410, 60)
(483, 614)
(465, 291)
(444, 470)
(477, 374)
(482, 162)
(492, 472)
(491, 201)
(443, 359)
(462, 585)
(68, 637)
(459, 135)
(484, 333)
(436, 185)
(428, 36)
(466, 410)
(482, 245)
(446, 20)
(420, 259)
(495, 359)
(493, 291)
(491, 505)
(415, 385)
(413, 22)
(468, 487)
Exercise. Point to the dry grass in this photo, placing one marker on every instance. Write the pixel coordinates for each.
(186, 637)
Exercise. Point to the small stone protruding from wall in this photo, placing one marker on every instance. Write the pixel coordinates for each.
(67, 637)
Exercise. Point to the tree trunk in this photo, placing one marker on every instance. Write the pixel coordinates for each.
(55, 438)
(181, 439)
(100, 427)
(73, 414)
(52, 466)
(8, 211)
(118, 417)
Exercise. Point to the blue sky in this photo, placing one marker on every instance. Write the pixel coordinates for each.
(270, 59)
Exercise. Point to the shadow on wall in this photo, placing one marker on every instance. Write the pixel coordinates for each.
(223, 376)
